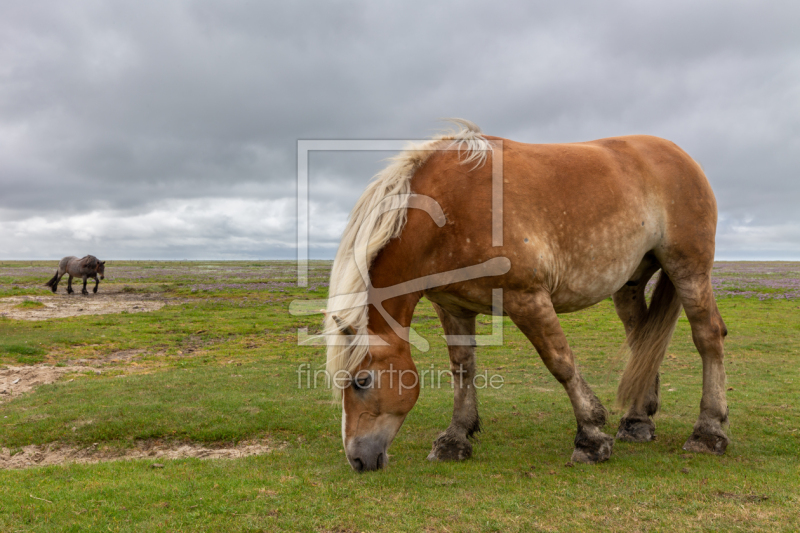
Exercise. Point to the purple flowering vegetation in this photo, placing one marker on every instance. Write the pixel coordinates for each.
(749, 279)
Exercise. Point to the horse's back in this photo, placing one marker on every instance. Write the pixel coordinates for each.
(64, 263)
(677, 191)
(577, 218)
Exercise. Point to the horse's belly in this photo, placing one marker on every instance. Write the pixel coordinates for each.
(583, 288)
(567, 300)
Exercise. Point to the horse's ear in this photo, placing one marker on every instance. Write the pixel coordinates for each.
(102, 262)
(347, 329)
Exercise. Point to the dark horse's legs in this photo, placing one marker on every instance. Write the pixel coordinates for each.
(96, 283)
(534, 315)
(69, 284)
(636, 425)
(83, 290)
(453, 444)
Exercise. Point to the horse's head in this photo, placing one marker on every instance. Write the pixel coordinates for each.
(101, 269)
(376, 398)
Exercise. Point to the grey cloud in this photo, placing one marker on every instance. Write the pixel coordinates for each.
(118, 108)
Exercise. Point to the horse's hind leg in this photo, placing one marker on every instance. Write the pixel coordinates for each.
(454, 443)
(69, 284)
(637, 424)
(708, 333)
(535, 316)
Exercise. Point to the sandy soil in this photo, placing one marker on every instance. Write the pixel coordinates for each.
(64, 305)
(54, 453)
(16, 380)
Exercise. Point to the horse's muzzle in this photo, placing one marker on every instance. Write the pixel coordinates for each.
(367, 454)
(102, 276)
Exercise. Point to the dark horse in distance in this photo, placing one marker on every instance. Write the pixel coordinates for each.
(86, 267)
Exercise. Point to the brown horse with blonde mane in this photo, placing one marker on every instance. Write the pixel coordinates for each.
(580, 222)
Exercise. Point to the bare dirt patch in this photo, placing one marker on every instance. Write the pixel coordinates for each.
(17, 380)
(55, 453)
(65, 305)
(116, 359)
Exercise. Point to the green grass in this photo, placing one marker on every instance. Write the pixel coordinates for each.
(30, 304)
(221, 367)
(22, 353)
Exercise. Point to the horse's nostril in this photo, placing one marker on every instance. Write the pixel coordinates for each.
(358, 464)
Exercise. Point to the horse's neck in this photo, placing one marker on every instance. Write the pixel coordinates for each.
(400, 309)
(388, 271)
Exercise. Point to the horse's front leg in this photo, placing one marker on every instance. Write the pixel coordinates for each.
(453, 444)
(84, 291)
(69, 284)
(536, 318)
(96, 283)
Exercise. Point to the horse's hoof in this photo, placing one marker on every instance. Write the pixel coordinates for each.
(448, 448)
(636, 430)
(592, 449)
(706, 443)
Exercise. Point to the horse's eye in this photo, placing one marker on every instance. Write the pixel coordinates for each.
(362, 381)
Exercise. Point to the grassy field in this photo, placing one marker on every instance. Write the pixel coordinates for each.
(218, 365)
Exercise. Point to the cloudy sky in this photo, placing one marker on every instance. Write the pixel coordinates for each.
(169, 129)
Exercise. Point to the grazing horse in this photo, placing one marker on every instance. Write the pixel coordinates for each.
(86, 267)
(580, 222)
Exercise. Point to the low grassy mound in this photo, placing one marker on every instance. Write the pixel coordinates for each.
(30, 304)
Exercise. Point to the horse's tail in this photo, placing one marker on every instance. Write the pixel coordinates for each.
(52, 280)
(648, 343)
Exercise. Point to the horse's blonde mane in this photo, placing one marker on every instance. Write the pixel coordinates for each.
(381, 212)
